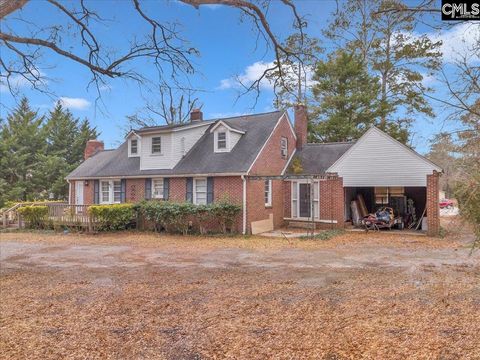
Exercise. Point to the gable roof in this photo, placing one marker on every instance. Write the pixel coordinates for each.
(317, 158)
(374, 129)
(201, 159)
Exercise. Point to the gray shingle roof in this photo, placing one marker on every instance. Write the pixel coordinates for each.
(317, 158)
(199, 160)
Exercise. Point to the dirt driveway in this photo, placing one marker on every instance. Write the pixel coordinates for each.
(145, 296)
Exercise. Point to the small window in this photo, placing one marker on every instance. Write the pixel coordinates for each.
(268, 192)
(221, 140)
(157, 185)
(284, 147)
(381, 195)
(134, 146)
(156, 145)
(200, 192)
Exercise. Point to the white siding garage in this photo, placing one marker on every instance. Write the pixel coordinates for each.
(379, 160)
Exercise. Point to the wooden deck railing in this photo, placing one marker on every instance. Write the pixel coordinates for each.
(72, 215)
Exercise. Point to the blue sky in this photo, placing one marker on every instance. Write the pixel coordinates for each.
(227, 47)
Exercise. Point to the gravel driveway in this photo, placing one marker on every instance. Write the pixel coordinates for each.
(148, 296)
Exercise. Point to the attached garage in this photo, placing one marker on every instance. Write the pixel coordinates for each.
(378, 168)
(387, 173)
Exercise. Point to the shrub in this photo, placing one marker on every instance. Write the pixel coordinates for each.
(226, 213)
(112, 217)
(467, 193)
(177, 217)
(35, 216)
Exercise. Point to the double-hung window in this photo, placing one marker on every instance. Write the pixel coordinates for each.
(134, 147)
(110, 191)
(157, 187)
(284, 147)
(268, 192)
(222, 141)
(200, 191)
(156, 145)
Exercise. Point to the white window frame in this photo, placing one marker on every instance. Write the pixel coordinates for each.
(195, 200)
(111, 191)
(284, 147)
(151, 147)
(315, 199)
(227, 140)
(268, 196)
(137, 139)
(154, 194)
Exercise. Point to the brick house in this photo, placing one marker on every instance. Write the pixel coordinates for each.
(261, 162)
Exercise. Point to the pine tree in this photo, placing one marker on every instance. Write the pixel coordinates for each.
(21, 138)
(345, 99)
(387, 43)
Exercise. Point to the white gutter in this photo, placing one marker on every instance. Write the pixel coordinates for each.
(244, 205)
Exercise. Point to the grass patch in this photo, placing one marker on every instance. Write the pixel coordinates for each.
(324, 235)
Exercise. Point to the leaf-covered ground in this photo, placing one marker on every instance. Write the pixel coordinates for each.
(144, 296)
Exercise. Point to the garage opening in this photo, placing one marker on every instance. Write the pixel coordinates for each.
(408, 204)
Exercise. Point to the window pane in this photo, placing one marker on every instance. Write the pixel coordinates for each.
(133, 146)
(294, 208)
(267, 192)
(315, 209)
(116, 196)
(156, 145)
(315, 190)
(158, 188)
(105, 186)
(201, 185)
(294, 192)
(117, 186)
(222, 140)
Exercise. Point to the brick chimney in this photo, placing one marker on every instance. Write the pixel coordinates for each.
(93, 147)
(301, 123)
(196, 115)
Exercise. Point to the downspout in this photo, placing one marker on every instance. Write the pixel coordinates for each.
(244, 205)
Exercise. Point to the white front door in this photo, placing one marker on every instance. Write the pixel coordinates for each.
(78, 192)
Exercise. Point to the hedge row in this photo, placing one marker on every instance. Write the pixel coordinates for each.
(165, 215)
(182, 217)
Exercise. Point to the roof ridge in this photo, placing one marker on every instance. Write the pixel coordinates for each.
(247, 115)
(331, 143)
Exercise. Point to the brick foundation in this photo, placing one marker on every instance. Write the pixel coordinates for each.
(433, 209)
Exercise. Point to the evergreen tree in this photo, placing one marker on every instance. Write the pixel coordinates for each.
(387, 43)
(345, 99)
(21, 138)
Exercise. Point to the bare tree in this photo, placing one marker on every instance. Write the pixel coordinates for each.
(172, 107)
(24, 54)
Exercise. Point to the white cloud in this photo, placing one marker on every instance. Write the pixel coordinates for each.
(18, 82)
(254, 72)
(74, 103)
(250, 74)
(458, 40)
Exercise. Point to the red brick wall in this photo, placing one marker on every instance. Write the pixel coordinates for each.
(270, 161)
(332, 201)
(256, 209)
(178, 189)
(135, 190)
(433, 210)
(230, 187)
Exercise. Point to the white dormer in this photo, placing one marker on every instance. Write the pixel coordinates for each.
(134, 144)
(225, 137)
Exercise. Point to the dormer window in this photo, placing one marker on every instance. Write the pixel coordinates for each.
(156, 145)
(134, 146)
(222, 141)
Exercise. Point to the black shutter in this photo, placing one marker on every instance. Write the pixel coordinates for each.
(148, 189)
(166, 188)
(209, 190)
(96, 191)
(189, 192)
(123, 190)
